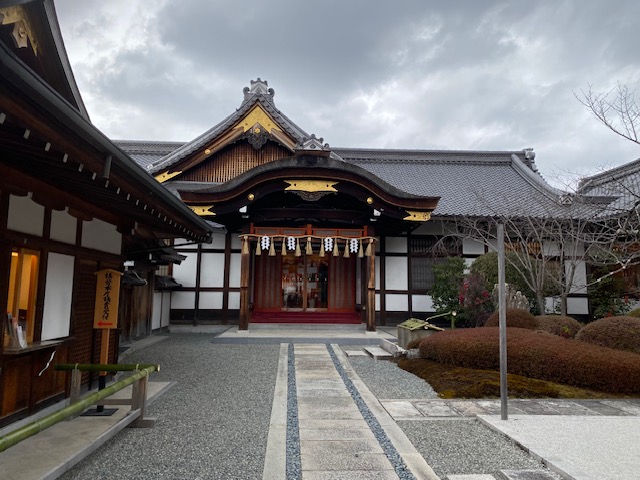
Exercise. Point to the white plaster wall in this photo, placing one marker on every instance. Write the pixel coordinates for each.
(234, 270)
(577, 306)
(182, 243)
(236, 244)
(63, 227)
(472, 247)
(157, 310)
(422, 303)
(377, 302)
(377, 262)
(397, 303)
(396, 273)
(102, 236)
(56, 317)
(211, 300)
(551, 249)
(212, 269)
(183, 300)
(25, 215)
(217, 241)
(161, 310)
(396, 244)
(234, 300)
(185, 273)
(579, 277)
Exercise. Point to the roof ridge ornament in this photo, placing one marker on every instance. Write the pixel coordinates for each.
(313, 143)
(258, 87)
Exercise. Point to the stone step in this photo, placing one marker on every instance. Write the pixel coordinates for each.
(378, 353)
(355, 353)
(525, 475)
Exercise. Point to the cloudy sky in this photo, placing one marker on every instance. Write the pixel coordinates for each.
(423, 74)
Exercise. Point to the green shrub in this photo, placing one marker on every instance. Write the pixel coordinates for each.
(447, 280)
(538, 355)
(558, 325)
(620, 333)
(516, 318)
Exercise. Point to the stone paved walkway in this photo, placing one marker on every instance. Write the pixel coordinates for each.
(421, 409)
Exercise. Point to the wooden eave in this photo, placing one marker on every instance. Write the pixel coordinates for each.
(351, 180)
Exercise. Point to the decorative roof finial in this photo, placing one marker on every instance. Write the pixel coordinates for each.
(258, 87)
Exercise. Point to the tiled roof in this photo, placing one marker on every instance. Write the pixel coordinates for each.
(257, 94)
(146, 153)
(621, 182)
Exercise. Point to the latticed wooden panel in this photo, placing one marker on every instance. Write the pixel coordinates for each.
(233, 161)
(84, 302)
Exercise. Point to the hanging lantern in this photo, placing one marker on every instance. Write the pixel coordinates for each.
(322, 248)
(346, 249)
(298, 252)
(360, 252)
(272, 249)
(258, 249)
(336, 249)
(283, 251)
(309, 248)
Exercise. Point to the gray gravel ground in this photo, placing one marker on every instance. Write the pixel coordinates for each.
(213, 424)
(459, 446)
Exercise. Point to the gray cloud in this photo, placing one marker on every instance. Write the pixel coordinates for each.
(411, 74)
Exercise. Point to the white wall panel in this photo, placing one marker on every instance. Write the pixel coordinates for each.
(157, 311)
(63, 227)
(166, 309)
(56, 316)
(577, 306)
(210, 300)
(396, 244)
(377, 302)
(579, 277)
(212, 269)
(101, 236)
(472, 247)
(25, 215)
(396, 273)
(234, 270)
(397, 303)
(217, 241)
(183, 300)
(236, 244)
(422, 303)
(377, 261)
(234, 300)
(185, 273)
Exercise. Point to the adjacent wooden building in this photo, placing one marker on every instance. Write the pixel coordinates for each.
(71, 204)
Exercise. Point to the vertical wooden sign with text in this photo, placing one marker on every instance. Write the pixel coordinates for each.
(105, 314)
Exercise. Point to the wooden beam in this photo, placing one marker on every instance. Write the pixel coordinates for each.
(371, 292)
(244, 285)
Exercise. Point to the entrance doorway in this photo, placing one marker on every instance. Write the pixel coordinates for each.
(305, 283)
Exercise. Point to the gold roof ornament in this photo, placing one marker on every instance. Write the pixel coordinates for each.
(202, 210)
(311, 186)
(22, 33)
(415, 216)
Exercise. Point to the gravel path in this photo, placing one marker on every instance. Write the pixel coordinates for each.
(213, 424)
(459, 446)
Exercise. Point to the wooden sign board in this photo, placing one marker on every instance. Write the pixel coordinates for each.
(107, 298)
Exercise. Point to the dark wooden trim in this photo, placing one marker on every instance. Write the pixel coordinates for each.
(227, 273)
(383, 282)
(197, 290)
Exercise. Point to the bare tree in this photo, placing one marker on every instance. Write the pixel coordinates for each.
(617, 109)
(554, 240)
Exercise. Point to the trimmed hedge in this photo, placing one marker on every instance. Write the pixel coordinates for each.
(620, 333)
(558, 325)
(538, 355)
(516, 318)
(633, 313)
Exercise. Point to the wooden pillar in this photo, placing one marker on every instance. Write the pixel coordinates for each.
(244, 285)
(371, 291)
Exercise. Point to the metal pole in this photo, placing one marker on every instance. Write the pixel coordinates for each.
(502, 317)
